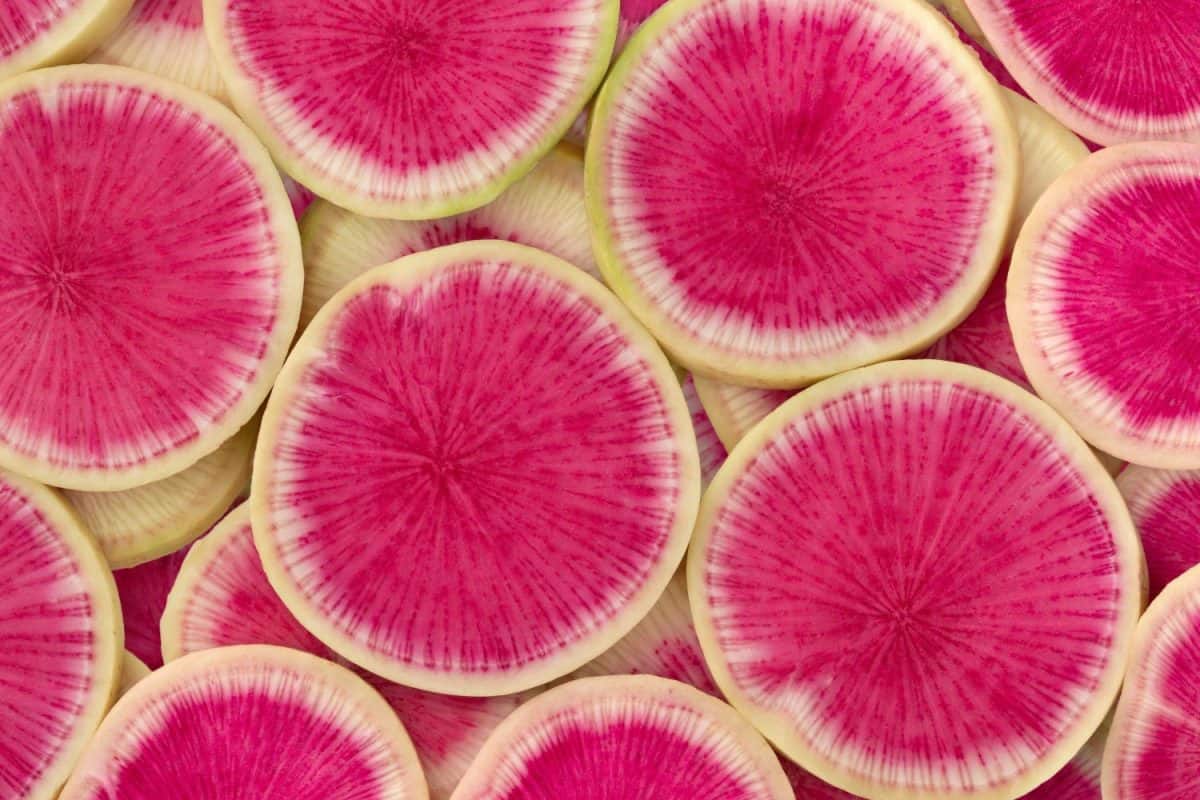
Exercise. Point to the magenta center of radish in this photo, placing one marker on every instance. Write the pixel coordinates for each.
(186, 14)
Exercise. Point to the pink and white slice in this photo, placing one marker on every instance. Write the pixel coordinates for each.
(38, 33)
(1165, 505)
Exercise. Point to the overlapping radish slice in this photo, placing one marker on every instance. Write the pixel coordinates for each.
(1165, 505)
(1151, 749)
(1113, 71)
(455, 101)
(143, 592)
(543, 210)
(150, 282)
(860, 214)
(133, 669)
(249, 721)
(60, 640)
(733, 410)
(712, 450)
(151, 521)
(624, 737)
(518, 447)
(222, 597)
(1106, 264)
(917, 581)
(36, 33)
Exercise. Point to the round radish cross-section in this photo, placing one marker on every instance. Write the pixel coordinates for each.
(1115, 71)
(624, 737)
(451, 102)
(36, 33)
(250, 721)
(476, 471)
(150, 276)
(1165, 505)
(917, 581)
(60, 640)
(783, 190)
(1104, 301)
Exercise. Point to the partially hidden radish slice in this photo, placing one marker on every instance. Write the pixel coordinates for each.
(38, 33)
(222, 598)
(543, 210)
(1165, 505)
(60, 640)
(891, 541)
(151, 521)
(1151, 749)
(733, 410)
(133, 669)
(712, 450)
(517, 445)
(1106, 264)
(624, 737)
(144, 312)
(1112, 71)
(250, 721)
(143, 591)
(455, 101)
(859, 217)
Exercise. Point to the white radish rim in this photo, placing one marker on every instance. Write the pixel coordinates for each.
(407, 273)
(243, 92)
(291, 279)
(750, 370)
(776, 726)
(108, 641)
(1151, 446)
(74, 35)
(133, 670)
(650, 689)
(373, 711)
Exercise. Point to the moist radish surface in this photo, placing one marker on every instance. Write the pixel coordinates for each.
(36, 33)
(1165, 505)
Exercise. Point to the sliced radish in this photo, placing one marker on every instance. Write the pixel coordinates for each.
(151, 521)
(733, 410)
(860, 215)
(251, 721)
(890, 543)
(143, 591)
(37, 33)
(133, 669)
(451, 102)
(60, 640)
(1106, 264)
(544, 210)
(1165, 505)
(712, 451)
(222, 597)
(151, 279)
(624, 737)
(519, 449)
(1113, 71)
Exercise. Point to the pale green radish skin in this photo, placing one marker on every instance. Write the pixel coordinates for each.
(71, 37)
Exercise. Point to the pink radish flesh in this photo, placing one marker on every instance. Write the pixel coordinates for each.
(712, 452)
(1165, 506)
(187, 14)
(143, 591)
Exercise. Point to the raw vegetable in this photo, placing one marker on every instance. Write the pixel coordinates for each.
(37, 33)
(1165, 505)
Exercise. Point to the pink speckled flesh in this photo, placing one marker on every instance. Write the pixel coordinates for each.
(143, 591)
(1078, 780)
(809, 787)
(186, 14)
(48, 631)
(712, 452)
(633, 14)
(23, 22)
(1165, 505)
(918, 579)
(140, 277)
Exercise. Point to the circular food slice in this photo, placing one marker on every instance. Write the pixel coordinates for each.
(1114, 71)
(36, 33)
(733, 410)
(543, 210)
(60, 640)
(1165, 505)
(636, 736)
(165, 37)
(143, 591)
(222, 597)
(148, 522)
(832, 235)
(1151, 749)
(712, 451)
(518, 447)
(456, 101)
(151, 279)
(133, 669)
(892, 540)
(1106, 264)
(250, 721)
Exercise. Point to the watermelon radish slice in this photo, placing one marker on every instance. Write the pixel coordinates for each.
(133, 669)
(143, 592)
(37, 33)
(733, 410)
(1114, 72)
(529, 494)
(60, 640)
(1106, 263)
(1165, 506)
(222, 597)
(454, 101)
(861, 215)
(251, 721)
(143, 312)
(151, 521)
(712, 451)
(624, 737)
(544, 210)
(928, 528)
(1151, 749)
